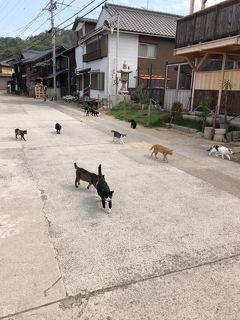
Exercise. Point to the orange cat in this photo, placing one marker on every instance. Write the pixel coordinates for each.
(159, 148)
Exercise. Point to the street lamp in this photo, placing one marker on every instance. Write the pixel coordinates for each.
(110, 23)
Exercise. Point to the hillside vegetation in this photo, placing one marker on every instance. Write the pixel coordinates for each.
(12, 47)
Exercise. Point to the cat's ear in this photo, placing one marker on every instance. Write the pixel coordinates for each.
(111, 192)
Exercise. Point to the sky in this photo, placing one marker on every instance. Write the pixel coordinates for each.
(25, 18)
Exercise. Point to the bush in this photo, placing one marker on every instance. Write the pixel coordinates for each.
(128, 111)
(177, 109)
(139, 95)
(190, 123)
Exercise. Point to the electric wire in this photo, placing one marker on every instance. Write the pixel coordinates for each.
(47, 36)
(29, 24)
(84, 14)
(78, 12)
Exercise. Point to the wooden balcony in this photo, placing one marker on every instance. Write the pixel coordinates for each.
(216, 22)
(94, 55)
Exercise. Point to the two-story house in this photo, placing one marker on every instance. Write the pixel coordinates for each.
(33, 67)
(6, 71)
(144, 39)
(210, 41)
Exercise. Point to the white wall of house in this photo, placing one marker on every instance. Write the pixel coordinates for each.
(78, 56)
(104, 15)
(100, 65)
(127, 52)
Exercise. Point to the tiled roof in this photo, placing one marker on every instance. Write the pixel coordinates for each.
(78, 19)
(7, 62)
(32, 55)
(144, 21)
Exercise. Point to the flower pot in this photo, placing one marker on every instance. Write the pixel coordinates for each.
(208, 132)
(219, 135)
(224, 126)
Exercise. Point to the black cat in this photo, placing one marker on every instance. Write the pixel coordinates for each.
(103, 190)
(133, 124)
(94, 112)
(21, 133)
(82, 174)
(58, 127)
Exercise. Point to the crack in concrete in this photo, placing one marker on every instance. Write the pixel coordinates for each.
(45, 291)
(43, 198)
(82, 299)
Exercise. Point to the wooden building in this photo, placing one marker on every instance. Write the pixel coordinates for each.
(33, 67)
(6, 71)
(210, 41)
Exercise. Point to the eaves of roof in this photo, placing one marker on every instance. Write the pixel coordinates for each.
(93, 33)
(78, 19)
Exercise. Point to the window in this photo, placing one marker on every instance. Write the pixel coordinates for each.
(97, 81)
(147, 50)
(211, 65)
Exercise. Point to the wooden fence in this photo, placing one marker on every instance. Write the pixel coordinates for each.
(172, 95)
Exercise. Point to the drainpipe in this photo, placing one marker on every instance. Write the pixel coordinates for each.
(191, 10)
(203, 4)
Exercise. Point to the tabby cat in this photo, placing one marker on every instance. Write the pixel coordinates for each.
(159, 148)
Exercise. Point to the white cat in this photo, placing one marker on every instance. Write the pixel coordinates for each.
(223, 151)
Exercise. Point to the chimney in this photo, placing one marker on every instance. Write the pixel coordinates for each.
(192, 6)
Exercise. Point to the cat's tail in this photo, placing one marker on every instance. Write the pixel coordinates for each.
(75, 165)
(151, 147)
(100, 170)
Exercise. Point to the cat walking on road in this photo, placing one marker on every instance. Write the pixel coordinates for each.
(162, 149)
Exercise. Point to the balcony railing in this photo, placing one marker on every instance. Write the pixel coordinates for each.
(94, 55)
(213, 23)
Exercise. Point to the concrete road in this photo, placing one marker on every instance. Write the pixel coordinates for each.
(168, 250)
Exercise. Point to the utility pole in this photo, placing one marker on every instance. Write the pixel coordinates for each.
(150, 97)
(53, 6)
(117, 48)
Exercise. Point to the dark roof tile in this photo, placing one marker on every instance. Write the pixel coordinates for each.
(144, 21)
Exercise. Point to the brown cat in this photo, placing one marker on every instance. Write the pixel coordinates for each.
(159, 148)
(21, 133)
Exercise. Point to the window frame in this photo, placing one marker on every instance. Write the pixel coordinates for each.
(99, 82)
(147, 45)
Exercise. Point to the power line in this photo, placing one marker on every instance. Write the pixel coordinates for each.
(66, 6)
(79, 12)
(46, 37)
(13, 9)
(32, 34)
(84, 14)
(28, 25)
